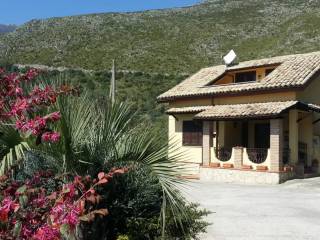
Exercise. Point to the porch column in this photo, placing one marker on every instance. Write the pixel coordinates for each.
(293, 136)
(276, 144)
(238, 157)
(215, 134)
(309, 136)
(221, 137)
(206, 143)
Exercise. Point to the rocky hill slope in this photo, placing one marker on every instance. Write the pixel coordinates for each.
(6, 28)
(168, 41)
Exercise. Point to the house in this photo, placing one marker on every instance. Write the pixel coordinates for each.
(253, 122)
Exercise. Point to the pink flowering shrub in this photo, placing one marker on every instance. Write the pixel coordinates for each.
(47, 208)
(23, 107)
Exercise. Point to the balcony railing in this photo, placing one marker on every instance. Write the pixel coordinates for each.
(257, 155)
(223, 154)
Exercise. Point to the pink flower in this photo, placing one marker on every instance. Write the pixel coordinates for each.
(26, 232)
(47, 232)
(7, 206)
(19, 124)
(40, 122)
(72, 218)
(55, 116)
(55, 137)
(20, 106)
(19, 91)
(46, 137)
(31, 74)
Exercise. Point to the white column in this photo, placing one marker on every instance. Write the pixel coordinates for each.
(214, 132)
(276, 144)
(238, 157)
(206, 143)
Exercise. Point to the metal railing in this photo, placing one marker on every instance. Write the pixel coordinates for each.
(257, 155)
(223, 153)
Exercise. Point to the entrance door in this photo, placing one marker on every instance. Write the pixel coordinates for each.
(262, 135)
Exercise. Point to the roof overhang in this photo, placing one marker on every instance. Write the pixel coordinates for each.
(268, 110)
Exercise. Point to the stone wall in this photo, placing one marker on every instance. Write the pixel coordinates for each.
(242, 176)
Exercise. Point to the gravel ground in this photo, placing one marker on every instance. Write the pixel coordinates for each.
(290, 211)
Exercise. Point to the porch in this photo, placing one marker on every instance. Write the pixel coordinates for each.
(245, 144)
(282, 144)
(253, 140)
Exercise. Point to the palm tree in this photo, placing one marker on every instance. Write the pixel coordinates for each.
(97, 134)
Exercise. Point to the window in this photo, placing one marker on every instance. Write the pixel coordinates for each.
(245, 77)
(192, 133)
(268, 71)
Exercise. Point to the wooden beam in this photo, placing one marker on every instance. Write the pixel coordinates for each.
(306, 116)
(316, 121)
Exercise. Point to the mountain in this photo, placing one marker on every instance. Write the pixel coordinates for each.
(7, 28)
(157, 49)
(169, 41)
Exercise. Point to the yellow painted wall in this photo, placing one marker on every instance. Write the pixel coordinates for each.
(261, 72)
(225, 80)
(306, 133)
(191, 102)
(254, 98)
(220, 100)
(192, 154)
(311, 94)
(233, 134)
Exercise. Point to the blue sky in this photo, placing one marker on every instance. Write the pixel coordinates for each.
(20, 11)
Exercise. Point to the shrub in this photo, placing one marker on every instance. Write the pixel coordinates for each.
(49, 208)
(134, 204)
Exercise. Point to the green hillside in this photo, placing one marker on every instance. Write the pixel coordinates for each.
(169, 41)
(157, 49)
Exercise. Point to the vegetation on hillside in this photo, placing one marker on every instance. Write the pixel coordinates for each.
(157, 49)
(136, 88)
(169, 41)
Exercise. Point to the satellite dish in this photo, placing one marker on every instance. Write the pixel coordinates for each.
(230, 58)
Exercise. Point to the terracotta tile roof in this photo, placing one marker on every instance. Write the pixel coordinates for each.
(245, 110)
(195, 109)
(314, 107)
(294, 71)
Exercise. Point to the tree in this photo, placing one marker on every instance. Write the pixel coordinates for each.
(20, 103)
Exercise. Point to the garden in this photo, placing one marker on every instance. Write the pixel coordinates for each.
(75, 166)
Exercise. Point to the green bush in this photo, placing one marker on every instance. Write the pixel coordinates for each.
(134, 203)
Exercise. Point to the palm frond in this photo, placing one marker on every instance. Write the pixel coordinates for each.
(13, 148)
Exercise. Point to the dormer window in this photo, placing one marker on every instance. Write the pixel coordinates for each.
(245, 77)
(268, 71)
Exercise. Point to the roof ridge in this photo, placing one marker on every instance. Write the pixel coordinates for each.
(276, 57)
(292, 71)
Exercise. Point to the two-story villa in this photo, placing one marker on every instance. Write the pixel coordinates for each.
(254, 122)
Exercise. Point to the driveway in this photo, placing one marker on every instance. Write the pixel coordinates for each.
(290, 211)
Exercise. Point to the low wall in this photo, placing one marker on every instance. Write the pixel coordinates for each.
(244, 176)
